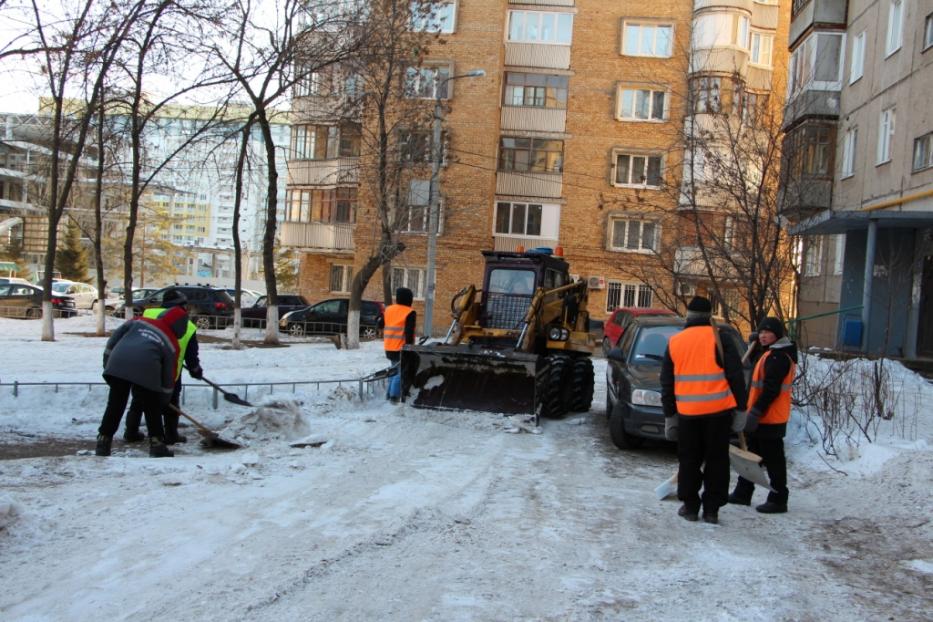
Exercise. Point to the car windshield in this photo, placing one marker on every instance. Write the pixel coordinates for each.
(139, 294)
(60, 287)
(512, 281)
(651, 343)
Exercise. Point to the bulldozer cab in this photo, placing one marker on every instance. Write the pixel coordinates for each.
(510, 283)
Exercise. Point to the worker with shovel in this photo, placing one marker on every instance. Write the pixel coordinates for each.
(769, 400)
(398, 329)
(703, 395)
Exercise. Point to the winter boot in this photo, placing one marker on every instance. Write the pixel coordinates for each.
(772, 507)
(171, 431)
(737, 498)
(688, 514)
(103, 445)
(133, 435)
(157, 449)
(711, 517)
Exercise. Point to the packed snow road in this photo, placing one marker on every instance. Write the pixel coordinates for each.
(406, 514)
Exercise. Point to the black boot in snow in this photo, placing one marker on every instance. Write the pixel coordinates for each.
(772, 507)
(103, 445)
(171, 431)
(157, 449)
(133, 435)
(737, 498)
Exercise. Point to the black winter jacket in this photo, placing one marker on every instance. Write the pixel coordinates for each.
(141, 353)
(783, 352)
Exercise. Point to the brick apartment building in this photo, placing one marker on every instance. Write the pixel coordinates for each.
(569, 139)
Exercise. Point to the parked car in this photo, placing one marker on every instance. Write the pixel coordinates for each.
(139, 294)
(84, 295)
(619, 320)
(13, 279)
(248, 297)
(255, 316)
(22, 300)
(208, 307)
(329, 317)
(633, 378)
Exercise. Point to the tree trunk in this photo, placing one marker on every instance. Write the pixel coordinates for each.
(98, 226)
(268, 238)
(237, 251)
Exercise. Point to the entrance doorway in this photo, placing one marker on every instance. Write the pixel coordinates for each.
(925, 336)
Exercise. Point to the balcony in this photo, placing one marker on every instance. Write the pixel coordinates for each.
(527, 118)
(811, 103)
(318, 236)
(548, 56)
(545, 185)
(338, 171)
(689, 262)
(544, 2)
(511, 243)
(808, 13)
(803, 197)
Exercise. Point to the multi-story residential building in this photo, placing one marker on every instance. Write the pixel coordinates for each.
(574, 138)
(860, 188)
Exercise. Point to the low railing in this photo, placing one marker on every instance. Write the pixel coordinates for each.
(33, 312)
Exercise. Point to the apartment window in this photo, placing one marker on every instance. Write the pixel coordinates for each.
(315, 142)
(536, 155)
(741, 32)
(345, 205)
(427, 16)
(923, 152)
(849, 147)
(762, 44)
(728, 233)
(350, 140)
(340, 278)
(415, 146)
(519, 218)
(813, 265)
(639, 39)
(633, 235)
(620, 294)
(810, 149)
(816, 64)
(750, 107)
(839, 253)
(419, 199)
(885, 135)
(857, 66)
(642, 104)
(540, 27)
(330, 205)
(638, 170)
(928, 32)
(535, 90)
(427, 82)
(895, 34)
(707, 94)
(412, 278)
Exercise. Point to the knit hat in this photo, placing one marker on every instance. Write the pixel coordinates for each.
(699, 306)
(403, 296)
(174, 298)
(772, 324)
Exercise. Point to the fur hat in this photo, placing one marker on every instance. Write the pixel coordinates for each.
(403, 296)
(174, 298)
(699, 306)
(772, 324)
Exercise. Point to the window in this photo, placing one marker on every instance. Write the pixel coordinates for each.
(642, 104)
(627, 295)
(928, 32)
(885, 135)
(762, 45)
(519, 218)
(849, 146)
(536, 90)
(536, 155)
(728, 233)
(647, 39)
(633, 235)
(637, 170)
(750, 107)
(419, 199)
(706, 95)
(814, 258)
(741, 32)
(540, 27)
(810, 150)
(412, 278)
(427, 16)
(415, 146)
(923, 152)
(839, 253)
(816, 64)
(331, 205)
(315, 142)
(340, 278)
(350, 139)
(857, 66)
(427, 82)
(895, 36)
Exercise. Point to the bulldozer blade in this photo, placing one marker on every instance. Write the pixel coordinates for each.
(465, 377)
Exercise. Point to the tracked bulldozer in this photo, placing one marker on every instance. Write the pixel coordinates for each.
(520, 345)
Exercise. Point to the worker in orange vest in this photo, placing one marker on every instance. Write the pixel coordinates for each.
(398, 329)
(769, 398)
(703, 395)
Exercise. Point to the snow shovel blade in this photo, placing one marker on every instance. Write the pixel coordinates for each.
(468, 377)
(749, 466)
(667, 488)
(209, 438)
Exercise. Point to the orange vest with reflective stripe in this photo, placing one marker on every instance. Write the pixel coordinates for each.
(779, 410)
(700, 385)
(393, 335)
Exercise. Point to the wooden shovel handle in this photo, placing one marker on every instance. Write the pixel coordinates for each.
(742, 443)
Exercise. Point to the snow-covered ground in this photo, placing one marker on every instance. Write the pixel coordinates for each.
(406, 514)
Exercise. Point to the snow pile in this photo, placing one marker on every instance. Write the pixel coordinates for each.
(275, 420)
(7, 511)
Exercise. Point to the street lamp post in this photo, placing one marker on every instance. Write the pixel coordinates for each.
(434, 199)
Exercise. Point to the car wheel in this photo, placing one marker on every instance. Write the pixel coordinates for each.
(203, 322)
(621, 438)
(296, 330)
(369, 332)
(606, 345)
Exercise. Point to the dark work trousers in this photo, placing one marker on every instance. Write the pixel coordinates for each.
(703, 450)
(150, 401)
(771, 451)
(135, 414)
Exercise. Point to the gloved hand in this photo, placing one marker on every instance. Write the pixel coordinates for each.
(670, 428)
(739, 418)
(754, 418)
(196, 372)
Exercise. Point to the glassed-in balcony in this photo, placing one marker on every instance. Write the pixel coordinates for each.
(319, 236)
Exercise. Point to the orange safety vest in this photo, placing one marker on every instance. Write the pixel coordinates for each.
(779, 410)
(393, 335)
(700, 386)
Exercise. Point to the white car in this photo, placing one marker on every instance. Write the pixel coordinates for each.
(83, 294)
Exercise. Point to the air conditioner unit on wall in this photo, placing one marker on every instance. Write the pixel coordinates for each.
(596, 282)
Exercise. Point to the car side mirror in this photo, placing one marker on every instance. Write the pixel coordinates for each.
(615, 354)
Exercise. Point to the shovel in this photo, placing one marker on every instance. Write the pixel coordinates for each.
(748, 465)
(230, 397)
(209, 439)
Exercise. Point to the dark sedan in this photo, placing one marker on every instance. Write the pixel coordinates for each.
(329, 317)
(25, 301)
(633, 385)
(255, 316)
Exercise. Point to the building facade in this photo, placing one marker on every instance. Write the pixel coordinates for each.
(861, 198)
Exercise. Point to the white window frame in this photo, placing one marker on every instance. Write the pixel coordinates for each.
(927, 33)
(885, 135)
(849, 152)
(742, 32)
(813, 260)
(654, 39)
(512, 207)
(857, 64)
(416, 76)
(756, 53)
(923, 153)
(539, 17)
(894, 37)
(630, 184)
(839, 253)
(629, 223)
(635, 90)
(346, 277)
(412, 278)
(624, 294)
(806, 54)
(445, 21)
